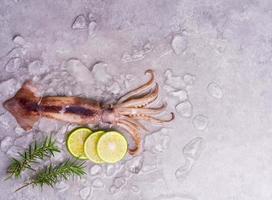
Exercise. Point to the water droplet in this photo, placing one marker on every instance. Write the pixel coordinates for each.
(6, 143)
(95, 170)
(179, 44)
(185, 109)
(193, 148)
(14, 64)
(80, 22)
(215, 90)
(181, 94)
(85, 192)
(135, 164)
(91, 28)
(200, 122)
(98, 183)
(183, 171)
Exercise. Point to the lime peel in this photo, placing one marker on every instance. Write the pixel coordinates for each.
(90, 147)
(112, 147)
(75, 142)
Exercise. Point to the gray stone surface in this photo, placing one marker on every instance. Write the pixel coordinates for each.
(219, 53)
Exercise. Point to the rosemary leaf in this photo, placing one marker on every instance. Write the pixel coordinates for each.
(30, 156)
(50, 175)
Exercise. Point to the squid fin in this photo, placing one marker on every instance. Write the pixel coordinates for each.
(24, 106)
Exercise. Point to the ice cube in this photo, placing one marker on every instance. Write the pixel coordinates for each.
(126, 57)
(114, 88)
(48, 125)
(150, 162)
(193, 148)
(91, 28)
(14, 64)
(18, 39)
(111, 169)
(179, 44)
(158, 141)
(19, 131)
(36, 68)
(200, 122)
(62, 186)
(24, 141)
(8, 87)
(147, 47)
(183, 171)
(79, 71)
(113, 189)
(189, 79)
(135, 164)
(91, 16)
(85, 193)
(100, 72)
(134, 188)
(182, 95)
(215, 90)
(95, 170)
(119, 182)
(98, 183)
(80, 22)
(185, 109)
(138, 55)
(172, 80)
(14, 151)
(6, 143)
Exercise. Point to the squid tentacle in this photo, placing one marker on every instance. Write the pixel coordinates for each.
(135, 135)
(153, 119)
(135, 111)
(140, 89)
(143, 101)
(134, 122)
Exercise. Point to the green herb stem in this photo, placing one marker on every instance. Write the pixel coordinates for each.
(35, 151)
(50, 175)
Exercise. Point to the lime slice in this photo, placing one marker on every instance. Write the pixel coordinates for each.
(90, 147)
(112, 147)
(75, 142)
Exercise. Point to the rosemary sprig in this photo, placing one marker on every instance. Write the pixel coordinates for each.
(50, 175)
(34, 152)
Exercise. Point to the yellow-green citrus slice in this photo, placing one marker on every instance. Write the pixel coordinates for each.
(90, 147)
(112, 147)
(75, 142)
